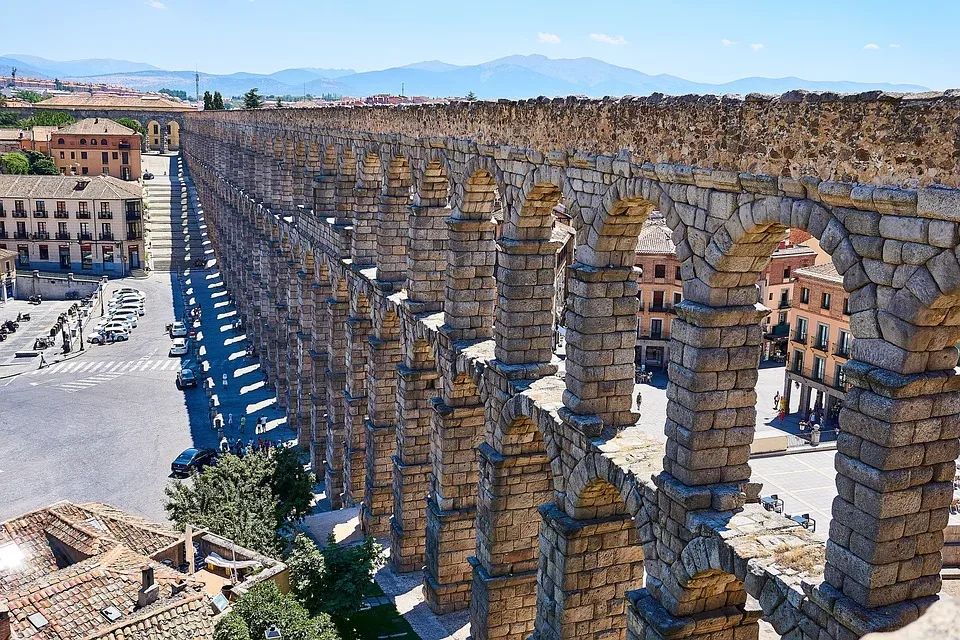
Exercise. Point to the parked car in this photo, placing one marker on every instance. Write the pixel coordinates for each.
(179, 347)
(186, 378)
(129, 308)
(96, 337)
(147, 175)
(192, 460)
(123, 316)
(129, 291)
(114, 334)
(112, 305)
(178, 330)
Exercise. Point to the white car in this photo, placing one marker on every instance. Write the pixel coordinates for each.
(116, 334)
(129, 318)
(129, 290)
(113, 302)
(178, 330)
(117, 325)
(129, 308)
(179, 347)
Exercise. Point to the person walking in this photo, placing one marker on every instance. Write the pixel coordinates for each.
(224, 381)
(776, 401)
(230, 420)
(781, 415)
(243, 423)
(224, 445)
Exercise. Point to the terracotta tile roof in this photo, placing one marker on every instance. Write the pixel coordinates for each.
(186, 617)
(4, 254)
(146, 102)
(826, 272)
(655, 237)
(73, 599)
(66, 187)
(98, 126)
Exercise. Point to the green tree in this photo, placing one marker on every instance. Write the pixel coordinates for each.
(7, 118)
(252, 99)
(471, 97)
(335, 579)
(217, 101)
(279, 102)
(264, 606)
(207, 101)
(130, 123)
(57, 84)
(176, 93)
(3, 100)
(250, 500)
(14, 163)
(47, 119)
(44, 167)
(30, 96)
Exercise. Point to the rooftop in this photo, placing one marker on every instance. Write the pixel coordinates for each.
(6, 254)
(67, 187)
(656, 237)
(825, 272)
(147, 102)
(98, 126)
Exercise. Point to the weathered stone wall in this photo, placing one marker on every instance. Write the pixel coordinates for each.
(519, 481)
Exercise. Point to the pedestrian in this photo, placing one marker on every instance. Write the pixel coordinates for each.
(224, 445)
(782, 415)
(776, 401)
(42, 362)
(230, 420)
(238, 447)
(243, 423)
(224, 381)
(259, 445)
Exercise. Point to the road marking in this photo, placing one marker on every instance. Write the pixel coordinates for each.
(96, 366)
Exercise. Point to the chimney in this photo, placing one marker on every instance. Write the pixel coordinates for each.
(149, 590)
(5, 632)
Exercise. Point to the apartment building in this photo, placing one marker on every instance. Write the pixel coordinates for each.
(776, 293)
(819, 342)
(8, 275)
(97, 146)
(660, 288)
(72, 224)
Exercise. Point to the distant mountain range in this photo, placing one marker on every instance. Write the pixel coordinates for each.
(511, 77)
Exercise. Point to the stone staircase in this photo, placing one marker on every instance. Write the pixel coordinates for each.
(173, 237)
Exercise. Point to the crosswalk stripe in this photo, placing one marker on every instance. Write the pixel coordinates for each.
(96, 366)
(156, 364)
(83, 367)
(126, 365)
(67, 368)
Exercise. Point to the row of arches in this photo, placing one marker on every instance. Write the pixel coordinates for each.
(723, 240)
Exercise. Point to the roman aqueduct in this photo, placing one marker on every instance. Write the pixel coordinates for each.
(413, 350)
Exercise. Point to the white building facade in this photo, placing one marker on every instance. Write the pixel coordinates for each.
(90, 225)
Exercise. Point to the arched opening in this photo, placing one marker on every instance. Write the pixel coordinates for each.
(155, 135)
(338, 307)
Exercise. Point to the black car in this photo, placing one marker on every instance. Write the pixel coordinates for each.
(186, 378)
(192, 459)
(147, 175)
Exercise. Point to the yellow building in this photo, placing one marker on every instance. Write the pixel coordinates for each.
(97, 146)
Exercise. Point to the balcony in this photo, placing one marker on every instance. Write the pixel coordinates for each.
(62, 215)
(778, 331)
(800, 336)
(133, 235)
(105, 215)
(19, 213)
(785, 304)
(84, 236)
(106, 236)
(821, 345)
(83, 215)
(820, 377)
(40, 214)
(124, 146)
(655, 335)
(134, 215)
(663, 307)
(4, 235)
(842, 351)
(41, 235)
(63, 236)
(20, 235)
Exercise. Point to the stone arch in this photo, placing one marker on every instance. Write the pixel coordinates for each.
(154, 134)
(588, 562)
(172, 130)
(480, 192)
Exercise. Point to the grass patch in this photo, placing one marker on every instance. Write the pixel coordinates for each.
(807, 559)
(379, 622)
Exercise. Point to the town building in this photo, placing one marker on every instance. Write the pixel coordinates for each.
(776, 293)
(65, 223)
(8, 274)
(33, 139)
(91, 571)
(819, 342)
(660, 288)
(97, 146)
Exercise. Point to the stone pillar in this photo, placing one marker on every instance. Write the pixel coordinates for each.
(318, 382)
(336, 379)
(363, 249)
(416, 385)
(384, 356)
(392, 224)
(470, 287)
(301, 387)
(359, 326)
(346, 180)
(587, 566)
(601, 339)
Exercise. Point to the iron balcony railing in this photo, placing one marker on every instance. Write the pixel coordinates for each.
(106, 236)
(41, 235)
(21, 235)
(63, 215)
(63, 236)
(800, 336)
(105, 215)
(40, 213)
(821, 345)
(19, 213)
(84, 236)
(842, 350)
(785, 304)
(83, 215)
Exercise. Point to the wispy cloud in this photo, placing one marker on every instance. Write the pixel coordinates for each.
(894, 46)
(757, 46)
(871, 47)
(548, 38)
(156, 4)
(729, 43)
(604, 38)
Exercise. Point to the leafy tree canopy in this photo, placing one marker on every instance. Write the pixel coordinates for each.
(334, 579)
(29, 96)
(176, 93)
(44, 167)
(130, 123)
(47, 119)
(252, 99)
(15, 163)
(471, 97)
(264, 606)
(251, 500)
(207, 101)
(217, 101)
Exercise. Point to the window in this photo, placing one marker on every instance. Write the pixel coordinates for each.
(86, 256)
(126, 158)
(60, 141)
(23, 255)
(156, 129)
(83, 141)
(83, 155)
(839, 377)
(825, 301)
(843, 344)
(104, 207)
(797, 361)
(846, 306)
(657, 304)
(104, 157)
(819, 365)
(73, 155)
(116, 155)
(41, 227)
(105, 230)
(801, 332)
(782, 318)
(85, 170)
(62, 156)
(41, 206)
(656, 328)
(677, 298)
(660, 271)
(61, 230)
(18, 205)
(85, 229)
(823, 336)
(786, 273)
(44, 252)
(82, 207)
(104, 142)
(805, 295)
(93, 141)
(108, 253)
(676, 275)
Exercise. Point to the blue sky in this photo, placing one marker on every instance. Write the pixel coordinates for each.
(716, 41)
